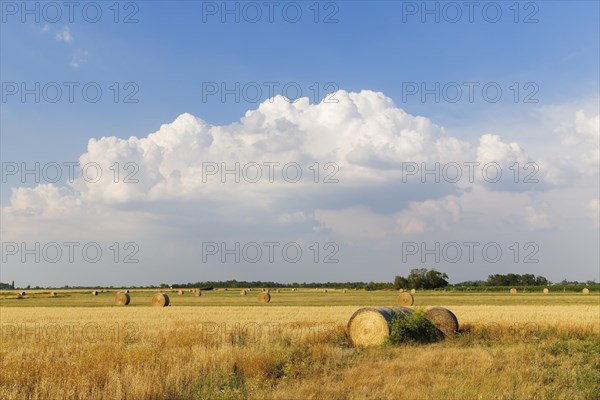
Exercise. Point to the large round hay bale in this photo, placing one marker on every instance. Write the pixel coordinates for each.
(546, 291)
(513, 291)
(160, 300)
(443, 319)
(413, 291)
(122, 299)
(95, 293)
(406, 299)
(198, 293)
(585, 291)
(243, 292)
(264, 297)
(371, 326)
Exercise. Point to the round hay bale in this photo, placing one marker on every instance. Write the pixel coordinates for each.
(371, 326)
(198, 293)
(413, 291)
(278, 290)
(180, 292)
(294, 290)
(401, 290)
(52, 294)
(95, 293)
(160, 300)
(545, 291)
(264, 297)
(513, 291)
(122, 299)
(443, 319)
(345, 290)
(324, 290)
(585, 291)
(22, 293)
(190, 290)
(406, 299)
(243, 292)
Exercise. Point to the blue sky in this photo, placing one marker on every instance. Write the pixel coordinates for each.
(170, 52)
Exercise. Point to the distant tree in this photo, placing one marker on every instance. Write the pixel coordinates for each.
(422, 278)
(400, 282)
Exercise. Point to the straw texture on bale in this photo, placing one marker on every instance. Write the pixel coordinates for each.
(585, 291)
(443, 319)
(513, 291)
(264, 297)
(160, 300)
(371, 326)
(122, 299)
(546, 291)
(406, 299)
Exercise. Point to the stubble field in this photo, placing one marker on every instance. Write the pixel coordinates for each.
(222, 345)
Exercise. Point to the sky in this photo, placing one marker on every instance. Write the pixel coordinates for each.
(298, 141)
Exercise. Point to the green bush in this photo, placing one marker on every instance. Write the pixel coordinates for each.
(415, 328)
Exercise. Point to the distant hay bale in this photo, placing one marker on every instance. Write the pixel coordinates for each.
(278, 290)
(126, 290)
(513, 291)
(190, 290)
(443, 319)
(52, 294)
(401, 290)
(585, 291)
(22, 293)
(345, 290)
(180, 292)
(324, 290)
(95, 293)
(122, 299)
(264, 297)
(294, 290)
(160, 300)
(413, 291)
(406, 299)
(546, 291)
(198, 293)
(243, 292)
(371, 326)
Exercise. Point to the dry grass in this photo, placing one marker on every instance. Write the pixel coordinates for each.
(501, 352)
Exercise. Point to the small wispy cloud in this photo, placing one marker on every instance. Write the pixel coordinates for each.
(64, 35)
(80, 57)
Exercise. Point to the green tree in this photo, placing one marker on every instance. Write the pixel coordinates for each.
(400, 282)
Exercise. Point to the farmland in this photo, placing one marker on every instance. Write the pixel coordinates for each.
(225, 346)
